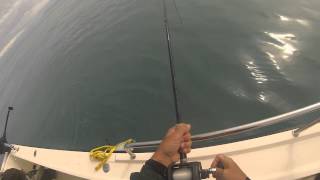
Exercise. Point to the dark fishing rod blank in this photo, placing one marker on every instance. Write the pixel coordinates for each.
(171, 61)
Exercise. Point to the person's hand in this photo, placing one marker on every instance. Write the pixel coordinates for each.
(178, 138)
(230, 171)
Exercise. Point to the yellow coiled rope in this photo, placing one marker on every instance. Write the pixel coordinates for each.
(103, 153)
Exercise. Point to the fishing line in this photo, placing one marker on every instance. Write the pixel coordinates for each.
(178, 12)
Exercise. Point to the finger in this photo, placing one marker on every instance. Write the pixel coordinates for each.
(215, 162)
(224, 161)
(218, 174)
(170, 131)
(186, 145)
(182, 128)
(187, 137)
(220, 158)
(187, 150)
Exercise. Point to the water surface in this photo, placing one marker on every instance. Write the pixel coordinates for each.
(86, 73)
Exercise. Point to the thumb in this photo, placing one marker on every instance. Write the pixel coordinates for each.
(221, 161)
(219, 174)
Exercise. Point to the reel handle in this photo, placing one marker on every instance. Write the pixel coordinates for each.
(183, 157)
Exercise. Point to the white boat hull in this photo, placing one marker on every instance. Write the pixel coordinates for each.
(274, 157)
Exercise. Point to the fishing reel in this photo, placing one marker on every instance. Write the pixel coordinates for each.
(188, 170)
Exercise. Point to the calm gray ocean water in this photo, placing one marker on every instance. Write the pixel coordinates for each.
(82, 73)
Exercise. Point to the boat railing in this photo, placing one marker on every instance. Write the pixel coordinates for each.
(297, 131)
(242, 128)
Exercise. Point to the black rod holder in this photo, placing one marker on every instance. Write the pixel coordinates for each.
(4, 145)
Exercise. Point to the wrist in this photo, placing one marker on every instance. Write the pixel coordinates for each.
(162, 158)
(157, 167)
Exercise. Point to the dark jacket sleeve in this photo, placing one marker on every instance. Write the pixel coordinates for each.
(151, 170)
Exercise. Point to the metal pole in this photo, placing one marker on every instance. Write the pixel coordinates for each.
(239, 129)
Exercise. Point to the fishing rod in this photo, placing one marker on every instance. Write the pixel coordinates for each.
(6, 124)
(184, 170)
(4, 145)
(171, 58)
(183, 156)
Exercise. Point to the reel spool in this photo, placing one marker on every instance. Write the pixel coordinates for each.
(189, 171)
